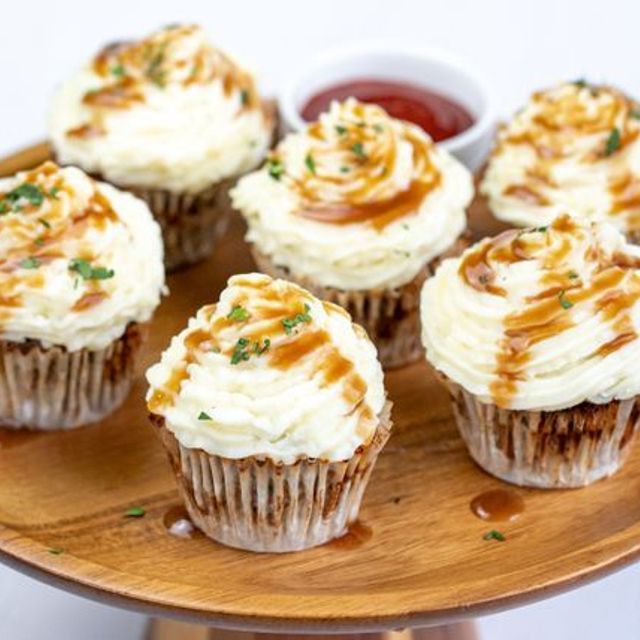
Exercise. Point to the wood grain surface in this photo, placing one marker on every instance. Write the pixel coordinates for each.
(63, 499)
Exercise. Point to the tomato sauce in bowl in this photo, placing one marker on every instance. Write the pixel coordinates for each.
(440, 116)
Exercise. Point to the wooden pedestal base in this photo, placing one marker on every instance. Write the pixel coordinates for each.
(161, 629)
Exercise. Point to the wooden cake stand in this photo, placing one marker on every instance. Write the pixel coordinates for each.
(417, 558)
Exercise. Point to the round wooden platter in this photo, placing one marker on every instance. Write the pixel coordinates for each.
(423, 560)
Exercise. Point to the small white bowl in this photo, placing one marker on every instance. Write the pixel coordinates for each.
(431, 69)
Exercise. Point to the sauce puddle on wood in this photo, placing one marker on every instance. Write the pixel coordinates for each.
(497, 505)
(357, 534)
(177, 522)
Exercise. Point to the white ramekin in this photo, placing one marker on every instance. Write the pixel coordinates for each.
(432, 69)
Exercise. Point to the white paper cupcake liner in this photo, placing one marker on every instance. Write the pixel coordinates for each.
(548, 449)
(259, 505)
(191, 223)
(50, 388)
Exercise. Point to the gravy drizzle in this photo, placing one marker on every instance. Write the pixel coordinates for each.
(359, 191)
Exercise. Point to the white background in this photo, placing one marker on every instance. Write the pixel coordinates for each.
(518, 45)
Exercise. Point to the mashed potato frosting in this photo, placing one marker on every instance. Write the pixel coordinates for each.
(539, 319)
(358, 200)
(269, 371)
(169, 111)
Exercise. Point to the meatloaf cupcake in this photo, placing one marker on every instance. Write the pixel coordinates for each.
(80, 269)
(359, 208)
(536, 335)
(272, 407)
(171, 119)
(572, 148)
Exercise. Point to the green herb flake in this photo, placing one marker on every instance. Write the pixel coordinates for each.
(204, 416)
(134, 512)
(541, 229)
(344, 169)
(238, 314)
(30, 192)
(275, 168)
(39, 242)
(340, 130)
(572, 275)
(259, 349)
(565, 303)
(30, 263)
(240, 353)
(310, 162)
(244, 97)
(613, 142)
(290, 323)
(358, 149)
(55, 551)
(581, 83)
(44, 223)
(117, 71)
(53, 192)
(87, 272)
(494, 534)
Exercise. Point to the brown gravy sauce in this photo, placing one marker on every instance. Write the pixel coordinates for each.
(177, 520)
(497, 505)
(356, 536)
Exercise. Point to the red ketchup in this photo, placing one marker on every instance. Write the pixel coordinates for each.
(439, 116)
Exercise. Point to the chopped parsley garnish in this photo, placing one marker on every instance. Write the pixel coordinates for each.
(243, 349)
(494, 534)
(290, 323)
(565, 303)
(154, 71)
(31, 192)
(39, 242)
(340, 130)
(87, 272)
(44, 223)
(541, 229)
(117, 71)
(238, 314)
(358, 149)
(244, 97)
(580, 83)
(275, 168)
(260, 349)
(572, 275)
(134, 512)
(240, 352)
(30, 263)
(55, 551)
(344, 169)
(613, 142)
(53, 192)
(204, 416)
(311, 165)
